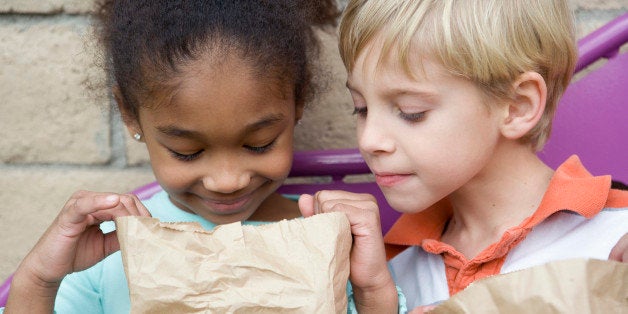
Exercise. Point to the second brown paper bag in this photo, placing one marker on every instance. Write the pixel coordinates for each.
(295, 266)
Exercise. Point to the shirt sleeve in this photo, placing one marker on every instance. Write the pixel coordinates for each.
(78, 293)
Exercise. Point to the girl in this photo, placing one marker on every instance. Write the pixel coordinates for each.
(214, 89)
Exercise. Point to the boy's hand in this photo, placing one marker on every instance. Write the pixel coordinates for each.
(620, 250)
(372, 283)
(74, 241)
(422, 309)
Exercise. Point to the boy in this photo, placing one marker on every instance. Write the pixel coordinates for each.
(454, 99)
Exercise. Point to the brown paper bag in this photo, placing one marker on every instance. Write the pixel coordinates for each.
(295, 266)
(571, 286)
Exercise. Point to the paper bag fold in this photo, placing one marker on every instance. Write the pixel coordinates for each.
(569, 286)
(295, 266)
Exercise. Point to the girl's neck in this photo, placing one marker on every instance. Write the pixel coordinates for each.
(275, 208)
(508, 191)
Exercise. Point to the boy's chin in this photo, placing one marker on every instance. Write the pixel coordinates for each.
(409, 205)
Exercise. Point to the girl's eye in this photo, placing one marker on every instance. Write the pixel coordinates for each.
(186, 157)
(412, 117)
(261, 149)
(360, 111)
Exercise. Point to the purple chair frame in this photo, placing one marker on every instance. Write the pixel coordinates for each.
(599, 97)
(592, 117)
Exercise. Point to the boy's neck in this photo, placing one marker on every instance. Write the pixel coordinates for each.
(507, 191)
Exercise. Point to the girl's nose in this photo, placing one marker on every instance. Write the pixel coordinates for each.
(226, 179)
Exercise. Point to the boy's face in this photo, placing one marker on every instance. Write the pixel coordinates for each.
(423, 138)
(222, 142)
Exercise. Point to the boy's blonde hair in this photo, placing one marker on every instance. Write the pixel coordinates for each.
(490, 42)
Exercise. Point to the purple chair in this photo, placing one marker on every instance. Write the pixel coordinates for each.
(592, 117)
(589, 122)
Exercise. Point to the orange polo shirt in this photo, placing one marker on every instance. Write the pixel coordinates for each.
(572, 187)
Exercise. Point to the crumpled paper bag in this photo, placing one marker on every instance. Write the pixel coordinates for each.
(570, 286)
(294, 266)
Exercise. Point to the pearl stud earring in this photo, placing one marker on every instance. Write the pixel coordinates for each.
(137, 136)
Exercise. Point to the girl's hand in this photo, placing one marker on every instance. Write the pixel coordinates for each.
(372, 283)
(73, 242)
(620, 250)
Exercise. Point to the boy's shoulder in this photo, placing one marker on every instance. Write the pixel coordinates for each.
(617, 199)
(575, 189)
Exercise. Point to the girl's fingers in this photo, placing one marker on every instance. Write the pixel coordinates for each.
(132, 204)
(90, 208)
(142, 210)
(111, 243)
(84, 202)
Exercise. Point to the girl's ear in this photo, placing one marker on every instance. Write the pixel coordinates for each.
(298, 113)
(527, 106)
(130, 120)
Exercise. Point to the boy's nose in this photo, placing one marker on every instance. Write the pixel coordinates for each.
(226, 180)
(373, 137)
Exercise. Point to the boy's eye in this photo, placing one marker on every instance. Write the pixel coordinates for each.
(185, 157)
(261, 149)
(360, 111)
(412, 117)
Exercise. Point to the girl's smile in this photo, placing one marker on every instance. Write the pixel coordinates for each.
(227, 206)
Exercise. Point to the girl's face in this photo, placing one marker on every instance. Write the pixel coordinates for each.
(221, 143)
(425, 137)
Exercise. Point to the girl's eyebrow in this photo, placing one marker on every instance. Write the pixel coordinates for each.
(271, 119)
(174, 131)
(266, 121)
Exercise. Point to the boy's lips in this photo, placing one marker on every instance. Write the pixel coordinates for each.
(390, 179)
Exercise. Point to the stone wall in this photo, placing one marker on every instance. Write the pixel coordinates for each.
(58, 134)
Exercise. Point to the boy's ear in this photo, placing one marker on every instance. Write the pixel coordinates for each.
(129, 119)
(526, 108)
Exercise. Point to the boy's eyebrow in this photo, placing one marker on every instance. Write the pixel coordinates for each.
(398, 91)
(268, 120)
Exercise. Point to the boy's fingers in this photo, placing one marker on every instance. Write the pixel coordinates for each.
(422, 309)
(306, 205)
(325, 195)
(620, 250)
